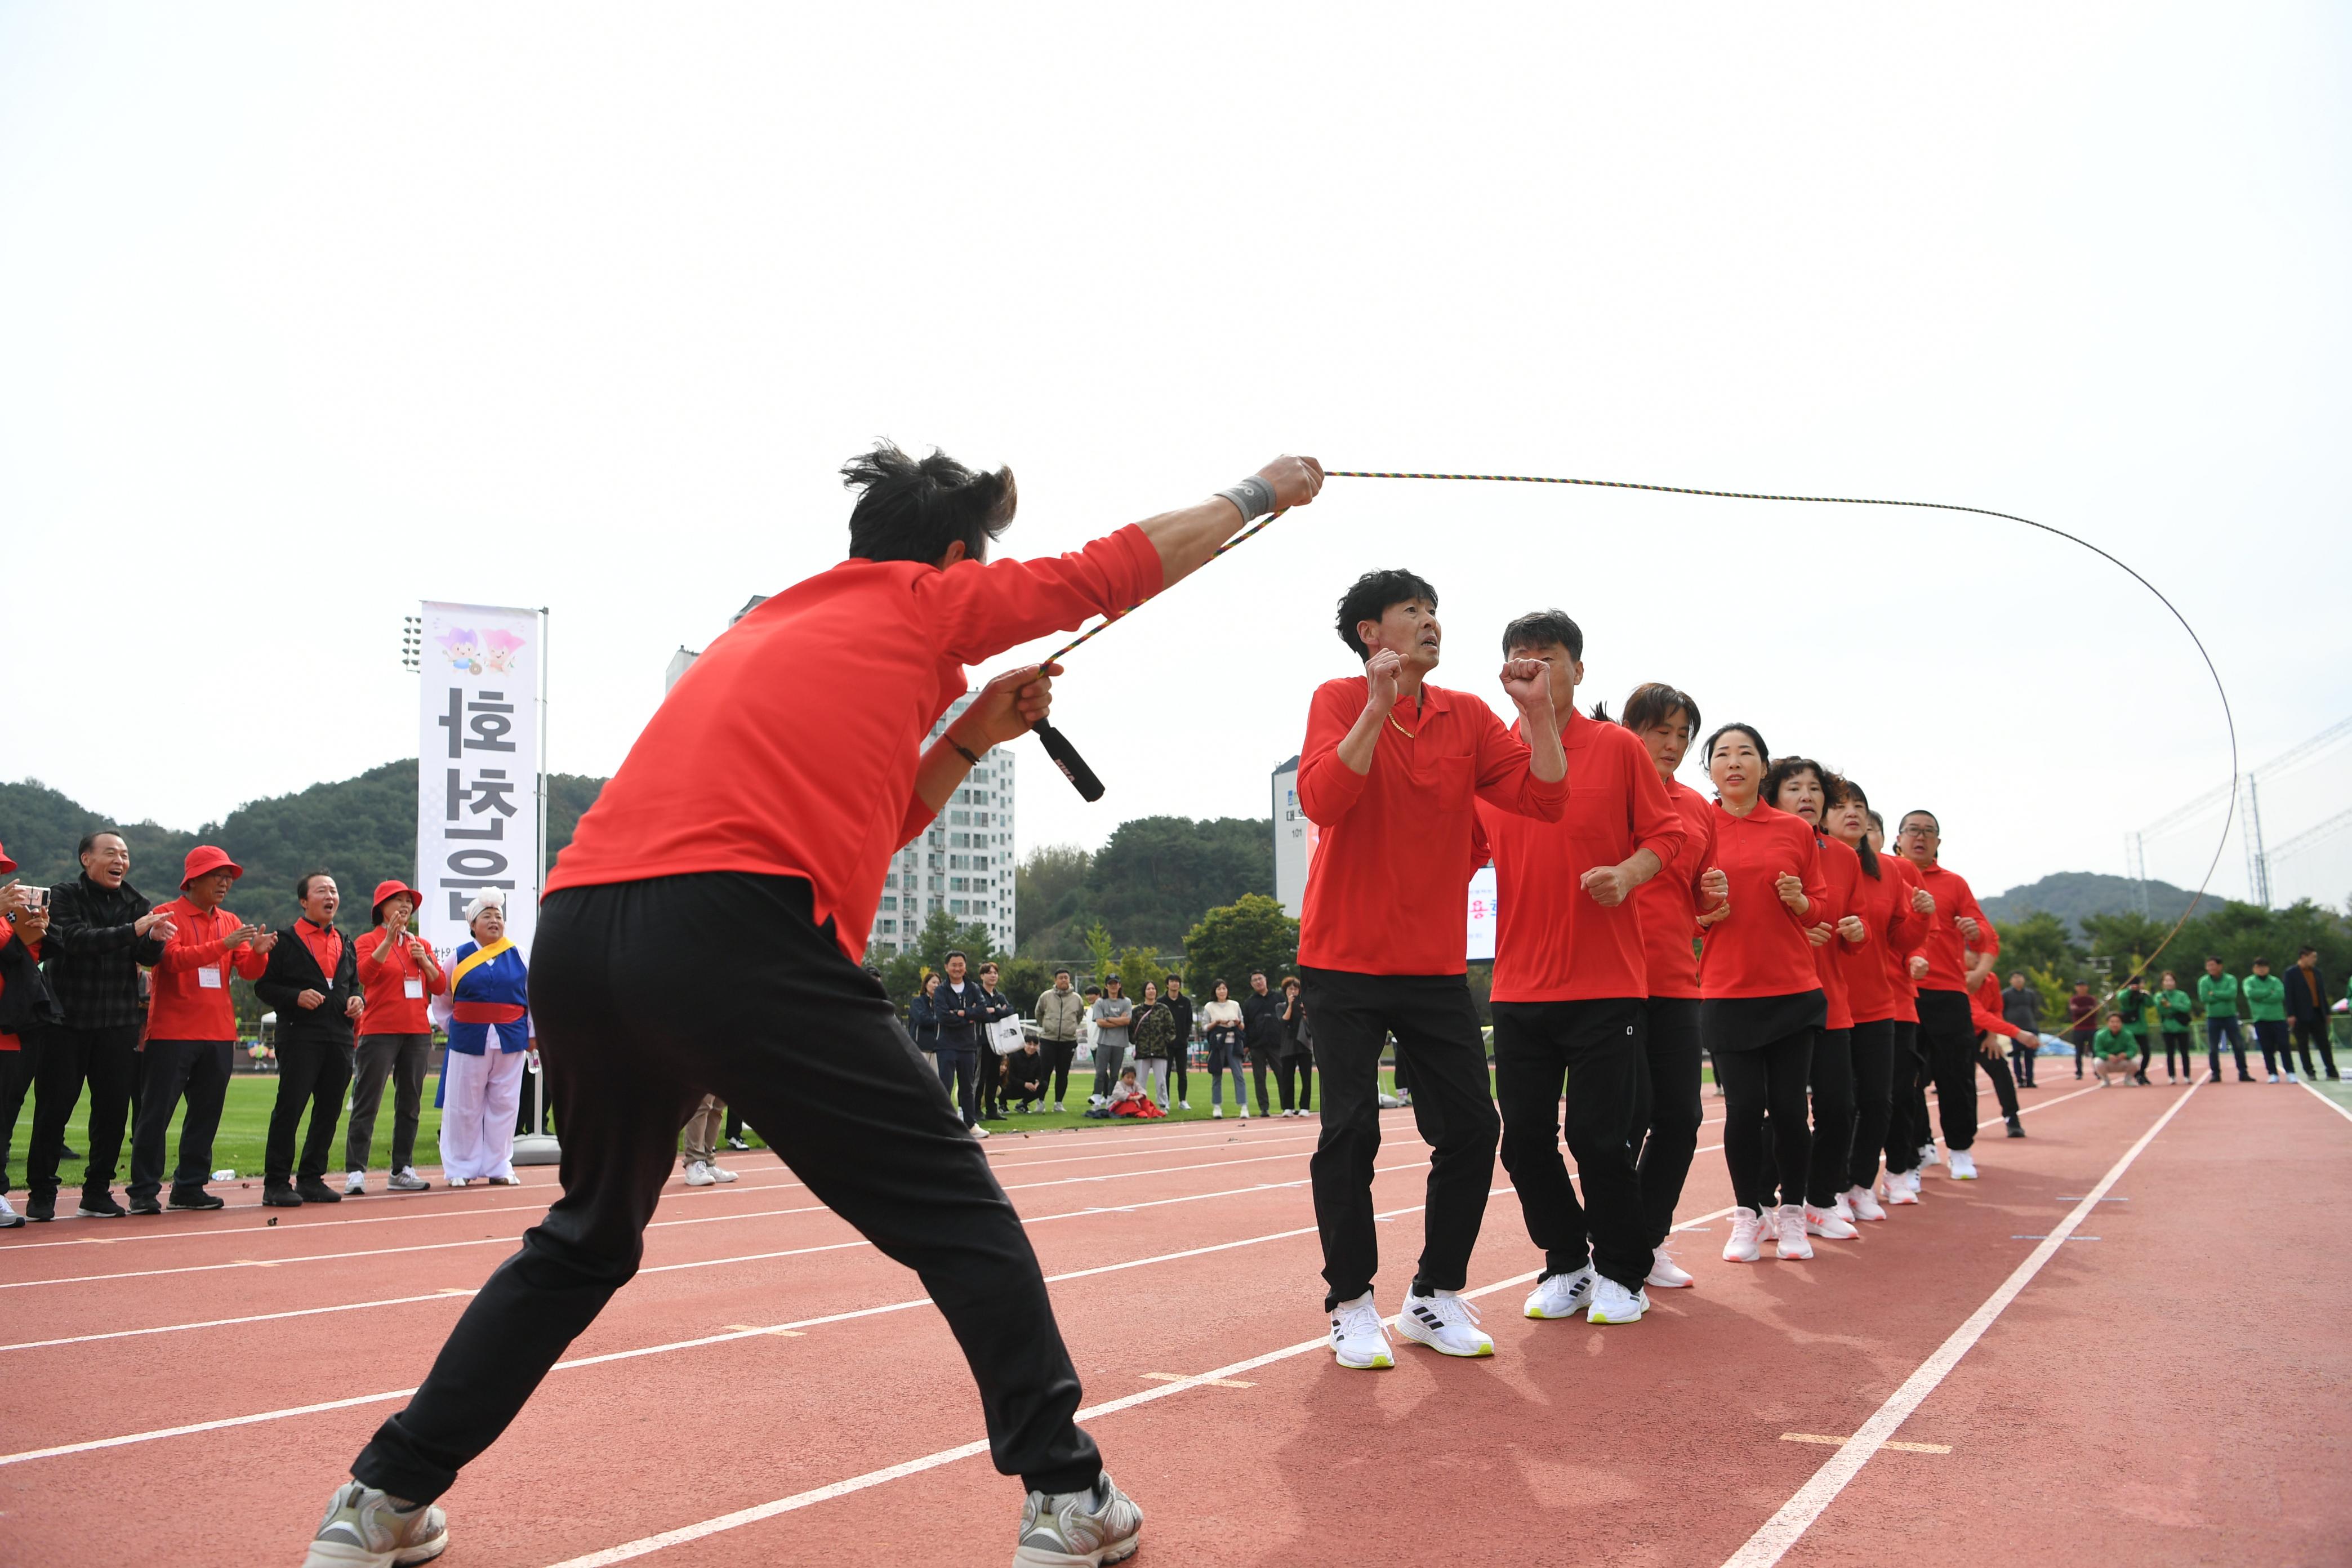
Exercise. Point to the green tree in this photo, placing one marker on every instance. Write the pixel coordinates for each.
(1102, 955)
(2039, 940)
(1159, 874)
(1136, 965)
(1251, 933)
(1049, 896)
(1023, 980)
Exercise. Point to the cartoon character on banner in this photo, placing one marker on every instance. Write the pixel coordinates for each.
(501, 649)
(462, 649)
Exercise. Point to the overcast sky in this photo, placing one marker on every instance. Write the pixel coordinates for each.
(309, 313)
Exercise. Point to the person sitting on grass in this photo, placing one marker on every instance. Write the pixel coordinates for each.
(2117, 1052)
(1127, 1099)
(1025, 1077)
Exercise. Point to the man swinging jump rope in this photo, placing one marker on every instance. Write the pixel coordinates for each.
(745, 838)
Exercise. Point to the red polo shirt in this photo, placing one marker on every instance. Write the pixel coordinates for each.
(1759, 948)
(1552, 942)
(1842, 873)
(1898, 956)
(1945, 947)
(187, 997)
(1669, 902)
(325, 942)
(790, 749)
(1385, 892)
(1883, 904)
(384, 980)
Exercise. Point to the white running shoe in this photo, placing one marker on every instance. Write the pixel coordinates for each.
(1183, 1105)
(1612, 1304)
(1078, 1529)
(1746, 1226)
(1665, 1274)
(1861, 1206)
(977, 1130)
(720, 1172)
(355, 1183)
(1929, 1155)
(364, 1529)
(1561, 1295)
(1358, 1341)
(2272, 1078)
(1964, 1165)
(1245, 1113)
(1827, 1224)
(1788, 1226)
(1216, 1113)
(2292, 1078)
(698, 1173)
(1445, 1323)
(1844, 1207)
(1899, 1190)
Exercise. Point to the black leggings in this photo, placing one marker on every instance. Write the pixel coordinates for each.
(1774, 1075)
(1180, 1062)
(2177, 1047)
(1670, 1110)
(1908, 1130)
(1874, 1099)
(861, 1120)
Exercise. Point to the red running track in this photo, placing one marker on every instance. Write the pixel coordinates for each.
(2192, 1345)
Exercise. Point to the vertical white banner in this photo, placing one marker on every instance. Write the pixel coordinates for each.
(1484, 914)
(477, 768)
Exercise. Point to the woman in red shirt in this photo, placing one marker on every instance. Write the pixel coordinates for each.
(1761, 1004)
(397, 973)
(1892, 927)
(1804, 789)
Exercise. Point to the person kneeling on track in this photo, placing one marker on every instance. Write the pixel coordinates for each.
(2114, 1057)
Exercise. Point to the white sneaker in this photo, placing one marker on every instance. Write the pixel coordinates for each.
(2272, 1078)
(362, 1530)
(1861, 1206)
(1899, 1190)
(1612, 1304)
(1183, 1105)
(1964, 1165)
(1216, 1113)
(2292, 1078)
(1098, 1525)
(1445, 1323)
(355, 1183)
(1245, 1113)
(1788, 1225)
(1561, 1295)
(977, 1130)
(1929, 1155)
(1746, 1226)
(697, 1174)
(1358, 1341)
(720, 1172)
(1825, 1225)
(1665, 1273)
(1911, 1180)
(9, 1218)
(1844, 1207)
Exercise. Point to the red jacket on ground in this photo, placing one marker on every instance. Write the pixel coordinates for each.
(1386, 893)
(791, 748)
(1883, 904)
(1553, 943)
(1759, 948)
(383, 981)
(187, 997)
(1945, 947)
(1668, 903)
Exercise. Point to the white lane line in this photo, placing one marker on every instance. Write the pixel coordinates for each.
(1773, 1539)
(765, 1331)
(657, 1224)
(2319, 1095)
(448, 1295)
(1216, 1377)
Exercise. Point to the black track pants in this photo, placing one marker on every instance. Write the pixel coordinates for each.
(813, 1051)
(1595, 1049)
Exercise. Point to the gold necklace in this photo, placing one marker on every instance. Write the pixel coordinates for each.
(1408, 734)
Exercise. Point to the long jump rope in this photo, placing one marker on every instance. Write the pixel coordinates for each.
(1074, 767)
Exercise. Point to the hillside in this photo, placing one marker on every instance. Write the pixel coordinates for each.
(2072, 895)
(362, 830)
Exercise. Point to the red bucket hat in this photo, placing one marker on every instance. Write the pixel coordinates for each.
(5, 864)
(392, 889)
(205, 858)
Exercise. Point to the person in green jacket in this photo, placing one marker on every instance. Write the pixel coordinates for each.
(2217, 992)
(2134, 1003)
(2266, 995)
(2175, 1013)
(2111, 1053)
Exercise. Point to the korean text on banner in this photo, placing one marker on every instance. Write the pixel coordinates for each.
(477, 769)
(1482, 915)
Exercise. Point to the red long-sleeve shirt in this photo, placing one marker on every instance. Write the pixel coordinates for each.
(1984, 1009)
(383, 981)
(791, 748)
(187, 995)
(1945, 946)
(1553, 943)
(1842, 875)
(1883, 904)
(1898, 957)
(1759, 948)
(1384, 892)
(1668, 903)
